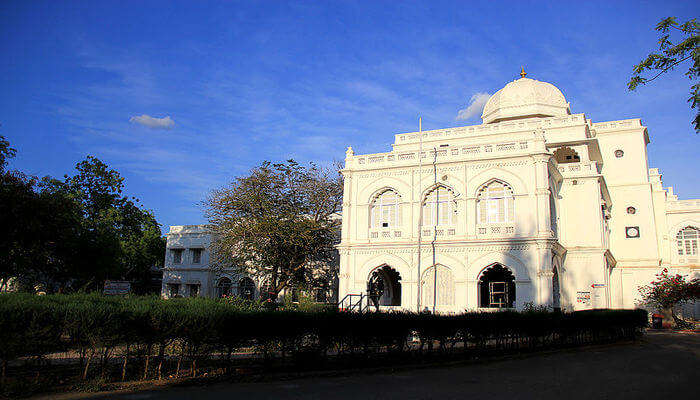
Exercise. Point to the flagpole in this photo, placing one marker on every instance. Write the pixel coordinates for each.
(420, 205)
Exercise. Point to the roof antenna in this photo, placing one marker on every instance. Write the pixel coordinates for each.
(522, 72)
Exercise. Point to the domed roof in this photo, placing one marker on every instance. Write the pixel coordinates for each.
(525, 98)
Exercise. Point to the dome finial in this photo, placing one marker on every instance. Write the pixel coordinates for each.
(522, 72)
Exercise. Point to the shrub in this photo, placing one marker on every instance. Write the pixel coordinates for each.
(130, 331)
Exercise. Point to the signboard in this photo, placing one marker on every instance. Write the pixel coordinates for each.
(598, 285)
(583, 298)
(117, 287)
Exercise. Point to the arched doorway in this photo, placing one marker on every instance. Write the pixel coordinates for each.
(246, 288)
(497, 287)
(445, 287)
(384, 287)
(223, 287)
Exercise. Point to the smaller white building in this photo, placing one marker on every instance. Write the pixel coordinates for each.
(188, 271)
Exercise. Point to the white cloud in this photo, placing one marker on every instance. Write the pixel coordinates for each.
(475, 107)
(152, 122)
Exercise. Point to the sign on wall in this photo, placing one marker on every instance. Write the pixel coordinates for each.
(117, 288)
(583, 298)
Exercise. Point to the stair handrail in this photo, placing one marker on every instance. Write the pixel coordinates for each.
(353, 304)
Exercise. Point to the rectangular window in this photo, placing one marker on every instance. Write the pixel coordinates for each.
(193, 290)
(177, 256)
(173, 290)
(196, 256)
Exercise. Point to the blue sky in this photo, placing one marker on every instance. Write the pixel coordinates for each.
(243, 82)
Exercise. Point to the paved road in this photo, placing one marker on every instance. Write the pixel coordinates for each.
(662, 366)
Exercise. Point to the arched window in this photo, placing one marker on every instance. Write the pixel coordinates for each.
(223, 287)
(687, 239)
(246, 288)
(565, 155)
(495, 203)
(497, 288)
(439, 207)
(445, 287)
(385, 210)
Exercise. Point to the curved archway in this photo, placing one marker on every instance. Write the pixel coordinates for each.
(438, 206)
(497, 287)
(385, 209)
(687, 241)
(246, 288)
(495, 203)
(384, 286)
(223, 287)
(516, 182)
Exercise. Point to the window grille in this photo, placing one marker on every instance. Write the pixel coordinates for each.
(193, 290)
(246, 288)
(385, 210)
(495, 203)
(687, 241)
(196, 256)
(173, 290)
(177, 256)
(223, 287)
(439, 207)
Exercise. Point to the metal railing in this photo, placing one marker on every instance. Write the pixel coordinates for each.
(354, 302)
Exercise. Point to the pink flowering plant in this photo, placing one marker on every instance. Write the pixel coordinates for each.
(668, 291)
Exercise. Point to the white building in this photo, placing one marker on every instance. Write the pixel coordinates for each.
(188, 271)
(535, 205)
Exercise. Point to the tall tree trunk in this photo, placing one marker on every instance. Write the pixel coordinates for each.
(668, 321)
(87, 366)
(161, 355)
(126, 358)
(148, 359)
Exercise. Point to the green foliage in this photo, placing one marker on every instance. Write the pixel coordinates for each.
(193, 331)
(667, 291)
(6, 152)
(72, 234)
(276, 222)
(670, 55)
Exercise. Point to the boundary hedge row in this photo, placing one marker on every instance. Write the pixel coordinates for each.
(120, 338)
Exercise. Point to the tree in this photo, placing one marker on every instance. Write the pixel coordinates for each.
(124, 241)
(6, 152)
(74, 233)
(670, 55)
(667, 291)
(276, 223)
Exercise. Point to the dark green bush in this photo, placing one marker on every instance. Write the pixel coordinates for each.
(144, 335)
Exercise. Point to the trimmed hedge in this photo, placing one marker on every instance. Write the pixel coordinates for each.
(147, 337)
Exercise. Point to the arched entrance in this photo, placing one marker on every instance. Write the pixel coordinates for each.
(223, 287)
(497, 287)
(246, 288)
(384, 287)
